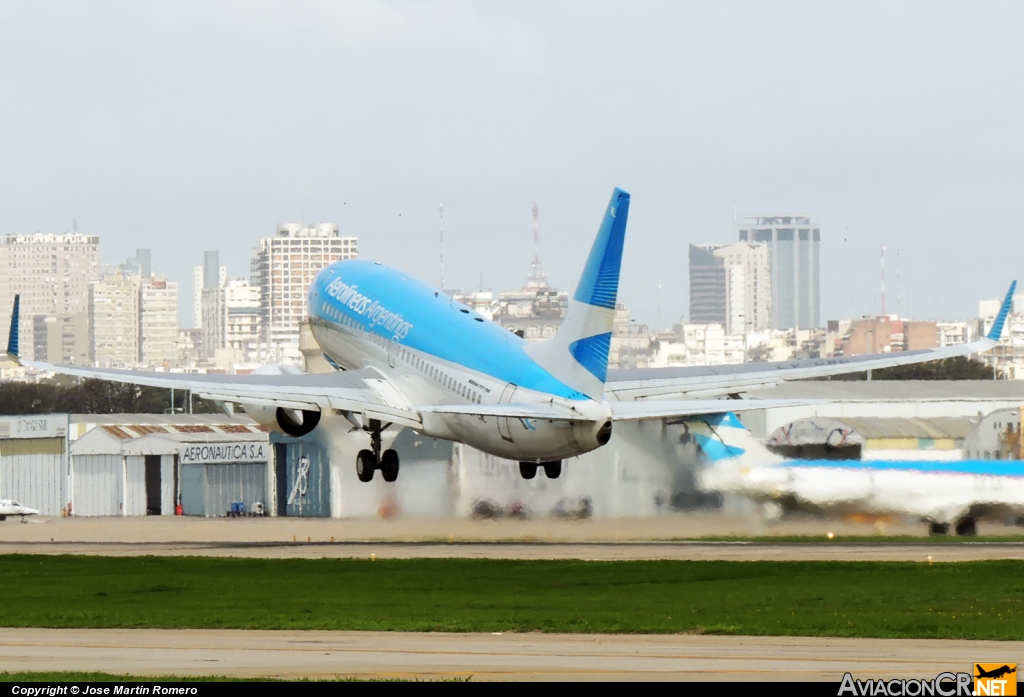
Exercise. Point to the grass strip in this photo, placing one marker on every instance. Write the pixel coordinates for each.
(966, 600)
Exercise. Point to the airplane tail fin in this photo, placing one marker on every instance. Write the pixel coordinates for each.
(578, 354)
(12, 336)
(996, 332)
(722, 438)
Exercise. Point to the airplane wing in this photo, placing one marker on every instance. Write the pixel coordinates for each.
(666, 409)
(364, 391)
(707, 381)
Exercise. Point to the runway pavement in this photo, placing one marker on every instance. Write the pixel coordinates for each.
(589, 551)
(596, 539)
(315, 654)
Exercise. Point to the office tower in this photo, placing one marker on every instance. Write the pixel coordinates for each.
(158, 322)
(52, 274)
(114, 321)
(210, 275)
(283, 267)
(231, 319)
(793, 242)
(139, 265)
(730, 285)
(62, 338)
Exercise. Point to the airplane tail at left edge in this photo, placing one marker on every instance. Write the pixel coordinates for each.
(12, 336)
(578, 354)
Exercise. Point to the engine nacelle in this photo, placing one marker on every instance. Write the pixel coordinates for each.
(590, 435)
(291, 422)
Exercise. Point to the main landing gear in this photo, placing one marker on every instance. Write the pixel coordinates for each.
(551, 469)
(369, 460)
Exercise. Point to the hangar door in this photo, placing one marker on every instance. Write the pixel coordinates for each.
(303, 479)
(210, 489)
(32, 473)
(99, 484)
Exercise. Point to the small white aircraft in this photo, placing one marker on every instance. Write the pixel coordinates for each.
(11, 507)
(413, 357)
(942, 494)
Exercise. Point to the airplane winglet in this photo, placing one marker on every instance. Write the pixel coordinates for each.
(12, 336)
(997, 327)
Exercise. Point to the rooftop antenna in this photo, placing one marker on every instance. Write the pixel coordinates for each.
(74, 225)
(883, 279)
(898, 292)
(441, 215)
(536, 278)
(659, 308)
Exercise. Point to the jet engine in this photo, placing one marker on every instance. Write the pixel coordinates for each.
(291, 422)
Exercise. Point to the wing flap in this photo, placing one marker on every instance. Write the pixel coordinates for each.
(512, 411)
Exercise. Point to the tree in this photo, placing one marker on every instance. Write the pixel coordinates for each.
(956, 368)
(64, 394)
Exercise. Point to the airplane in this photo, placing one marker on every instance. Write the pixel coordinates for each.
(411, 356)
(995, 673)
(9, 507)
(941, 493)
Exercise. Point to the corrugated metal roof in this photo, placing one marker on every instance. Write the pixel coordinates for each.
(160, 419)
(118, 432)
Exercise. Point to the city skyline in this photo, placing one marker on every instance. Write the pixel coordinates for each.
(171, 126)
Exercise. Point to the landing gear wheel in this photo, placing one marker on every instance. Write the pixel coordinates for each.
(366, 463)
(938, 528)
(553, 469)
(528, 470)
(966, 527)
(389, 465)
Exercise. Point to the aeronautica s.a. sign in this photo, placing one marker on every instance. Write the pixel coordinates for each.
(213, 453)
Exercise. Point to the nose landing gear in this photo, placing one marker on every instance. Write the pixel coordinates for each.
(369, 460)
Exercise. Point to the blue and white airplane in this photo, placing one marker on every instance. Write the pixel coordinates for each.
(410, 356)
(942, 493)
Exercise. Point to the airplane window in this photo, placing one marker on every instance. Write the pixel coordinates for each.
(479, 319)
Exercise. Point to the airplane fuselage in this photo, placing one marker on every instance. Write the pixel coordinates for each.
(437, 351)
(940, 491)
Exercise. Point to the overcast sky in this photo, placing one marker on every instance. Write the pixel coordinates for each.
(185, 126)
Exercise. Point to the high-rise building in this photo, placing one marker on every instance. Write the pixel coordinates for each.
(158, 322)
(114, 321)
(282, 267)
(62, 338)
(139, 265)
(793, 242)
(52, 274)
(730, 285)
(231, 319)
(210, 275)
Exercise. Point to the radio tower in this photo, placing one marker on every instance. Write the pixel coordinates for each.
(536, 278)
(883, 280)
(441, 217)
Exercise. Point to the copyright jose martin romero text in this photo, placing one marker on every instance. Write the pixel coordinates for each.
(54, 690)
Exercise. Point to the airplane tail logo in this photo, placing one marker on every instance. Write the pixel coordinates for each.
(578, 354)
